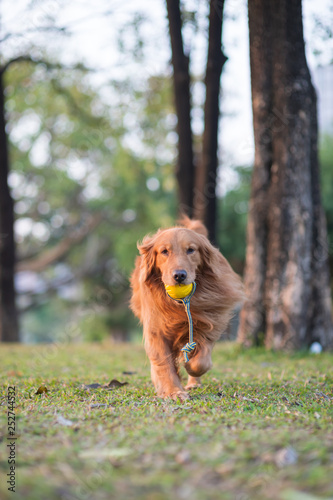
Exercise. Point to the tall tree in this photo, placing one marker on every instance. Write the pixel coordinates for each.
(286, 273)
(181, 78)
(9, 324)
(9, 331)
(205, 206)
(197, 185)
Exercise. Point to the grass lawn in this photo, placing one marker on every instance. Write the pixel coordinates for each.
(260, 427)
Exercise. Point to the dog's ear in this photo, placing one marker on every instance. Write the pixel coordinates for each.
(148, 255)
(212, 260)
(214, 267)
(209, 255)
(195, 225)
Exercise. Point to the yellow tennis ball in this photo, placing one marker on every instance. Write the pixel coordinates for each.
(179, 291)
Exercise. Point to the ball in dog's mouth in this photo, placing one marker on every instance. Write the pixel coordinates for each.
(179, 291)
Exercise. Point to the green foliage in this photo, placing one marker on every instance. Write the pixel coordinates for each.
(94, 328)
(45, 322)
(326, 165)
(259, 427)
(73, 155)
(233, 211)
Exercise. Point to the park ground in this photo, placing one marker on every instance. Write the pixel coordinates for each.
(259, 428)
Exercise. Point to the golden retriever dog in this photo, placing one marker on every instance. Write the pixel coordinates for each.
(182, 254)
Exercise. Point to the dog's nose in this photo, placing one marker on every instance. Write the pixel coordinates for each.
(179, 275)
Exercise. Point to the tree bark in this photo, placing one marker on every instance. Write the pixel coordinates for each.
(9, 329)
(286, 282)
(252, 320)
(206, 178)
(180, 61)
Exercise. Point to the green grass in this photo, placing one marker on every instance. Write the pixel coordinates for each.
(231, 440)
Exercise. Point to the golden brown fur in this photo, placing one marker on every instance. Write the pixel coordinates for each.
(165, 325)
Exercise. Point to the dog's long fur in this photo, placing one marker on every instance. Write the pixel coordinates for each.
(165, 324)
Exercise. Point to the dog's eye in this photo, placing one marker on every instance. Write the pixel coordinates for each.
(164, 252)
(190, 250)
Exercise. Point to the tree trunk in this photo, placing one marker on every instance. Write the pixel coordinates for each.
(9, 331)
(205, 185)
(185, 168)
(252, 321)
(286, 282)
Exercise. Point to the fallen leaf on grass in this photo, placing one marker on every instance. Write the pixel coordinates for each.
(114, 383)
(252, 400)
(111, 385)
(101, 405)
(92, 386)
(322, 395)
(286, 456)
(64, 421)
(42, 390)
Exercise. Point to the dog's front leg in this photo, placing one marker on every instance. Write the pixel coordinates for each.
(163, 369)
(193, 382)
(199, 364)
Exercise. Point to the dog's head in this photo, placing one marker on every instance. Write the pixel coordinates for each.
(176, 255)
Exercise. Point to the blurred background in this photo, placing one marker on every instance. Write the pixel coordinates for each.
(90, 124)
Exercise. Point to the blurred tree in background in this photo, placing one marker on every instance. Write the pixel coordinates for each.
(92, 171)
(82, 197)
(197, 163)
(9, 329)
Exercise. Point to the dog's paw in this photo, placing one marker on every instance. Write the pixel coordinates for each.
(192, 385)
(182, 395)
